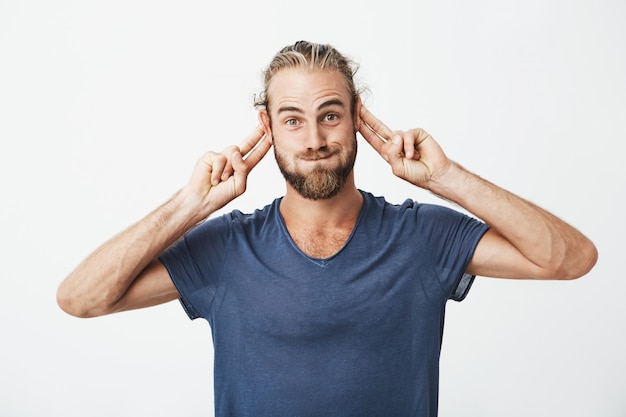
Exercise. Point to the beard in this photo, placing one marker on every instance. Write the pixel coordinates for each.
(323, 182)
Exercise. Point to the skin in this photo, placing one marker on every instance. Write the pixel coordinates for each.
(311, 117)
(124, 273)
(524, 241)
(312, 125)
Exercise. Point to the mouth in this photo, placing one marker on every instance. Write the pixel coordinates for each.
(321, 158)
(318, 155)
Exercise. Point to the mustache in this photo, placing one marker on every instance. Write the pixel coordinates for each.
(315, 154)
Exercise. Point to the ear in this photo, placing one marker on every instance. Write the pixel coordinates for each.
(264, 118)
(357, 113)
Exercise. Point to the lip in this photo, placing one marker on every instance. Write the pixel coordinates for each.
(318, 161)
(318, 157)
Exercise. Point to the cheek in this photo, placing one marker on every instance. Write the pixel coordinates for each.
(288, 140)
(344, 132)
(281, 144)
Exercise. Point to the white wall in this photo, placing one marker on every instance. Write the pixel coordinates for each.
(106, 106)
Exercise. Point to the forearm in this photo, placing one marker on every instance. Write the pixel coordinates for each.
(557, 249)
(103, 278)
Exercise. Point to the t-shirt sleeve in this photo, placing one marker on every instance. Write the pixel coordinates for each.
(194, 262)
(452, 239)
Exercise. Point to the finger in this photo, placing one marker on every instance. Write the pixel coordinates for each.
(421, 135)
(217, 165)
(240, 174)
(243, 167)
(372, 138)
(252, 140)
(213, 164)
(408, 144)
(394, 153)
(375, 124)
(229, 152)
(258, 152)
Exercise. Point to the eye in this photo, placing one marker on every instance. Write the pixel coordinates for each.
(331, 117)
(291, 122)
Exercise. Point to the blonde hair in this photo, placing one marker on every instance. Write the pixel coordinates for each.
(313, 57)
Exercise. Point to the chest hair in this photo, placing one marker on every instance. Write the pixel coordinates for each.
(320, 243)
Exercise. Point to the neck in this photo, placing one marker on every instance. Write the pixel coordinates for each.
(338, 211)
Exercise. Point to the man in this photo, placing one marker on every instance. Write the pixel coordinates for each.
(328, 301)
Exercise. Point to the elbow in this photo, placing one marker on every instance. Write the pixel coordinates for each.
(71, 304)
(588, 257)
(67, 303)
(576, 264)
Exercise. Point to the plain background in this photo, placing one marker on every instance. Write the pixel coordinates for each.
(106, 106)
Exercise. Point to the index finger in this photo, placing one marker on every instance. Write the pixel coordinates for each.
(255, 146)
(252, 140)
(374, 124)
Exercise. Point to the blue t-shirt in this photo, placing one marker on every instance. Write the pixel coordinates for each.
(356, 334)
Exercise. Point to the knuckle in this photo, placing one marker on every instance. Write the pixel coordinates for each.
(230, 149)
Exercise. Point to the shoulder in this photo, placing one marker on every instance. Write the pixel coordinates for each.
(259, 216)
(237, 222)
(237, 216)
(407, 208)
(413, 216)
(215, 234)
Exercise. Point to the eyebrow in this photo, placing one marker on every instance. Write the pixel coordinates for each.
(289, 109)
(333, 102)
(329, 103)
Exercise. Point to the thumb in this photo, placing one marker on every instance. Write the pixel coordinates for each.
(395, 155)
(395, 149)
(240, 172)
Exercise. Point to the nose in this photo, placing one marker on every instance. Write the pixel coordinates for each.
(315, 137)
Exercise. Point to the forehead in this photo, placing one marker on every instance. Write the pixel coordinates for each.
(301, 87)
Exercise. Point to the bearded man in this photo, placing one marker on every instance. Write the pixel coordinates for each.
(329, 301)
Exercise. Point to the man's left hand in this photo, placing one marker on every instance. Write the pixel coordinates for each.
(413, 154)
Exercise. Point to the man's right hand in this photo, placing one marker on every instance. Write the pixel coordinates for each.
(218, 178)
(125, 273)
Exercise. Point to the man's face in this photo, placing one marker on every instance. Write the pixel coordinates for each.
(313, 130)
